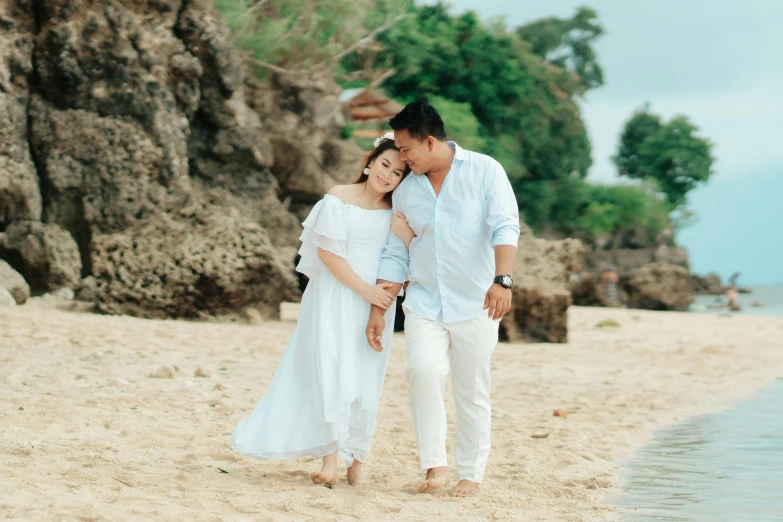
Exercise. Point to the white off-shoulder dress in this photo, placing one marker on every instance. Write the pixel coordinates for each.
(325, 392)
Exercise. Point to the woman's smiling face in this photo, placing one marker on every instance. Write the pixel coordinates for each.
(386, 172)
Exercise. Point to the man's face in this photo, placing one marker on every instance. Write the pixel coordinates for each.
(417, 154)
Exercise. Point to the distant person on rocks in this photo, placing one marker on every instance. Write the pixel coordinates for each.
(733, 297)
(575, 273)
(609, 286)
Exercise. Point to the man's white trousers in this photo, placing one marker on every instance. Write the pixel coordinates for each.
(466, 347)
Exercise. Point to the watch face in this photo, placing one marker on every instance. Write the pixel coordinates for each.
(506, 281)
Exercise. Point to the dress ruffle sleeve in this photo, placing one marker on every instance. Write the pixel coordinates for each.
(324, 228)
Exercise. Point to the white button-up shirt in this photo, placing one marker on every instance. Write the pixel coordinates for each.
(451, 262)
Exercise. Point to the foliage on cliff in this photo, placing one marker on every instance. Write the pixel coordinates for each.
(512, 94)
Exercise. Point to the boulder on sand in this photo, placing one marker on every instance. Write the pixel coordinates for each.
(658, 286)
(540, 298)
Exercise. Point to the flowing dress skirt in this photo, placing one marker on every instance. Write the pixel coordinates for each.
(325, 392)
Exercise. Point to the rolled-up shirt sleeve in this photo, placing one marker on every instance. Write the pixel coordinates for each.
(395, 259)
(502, 209)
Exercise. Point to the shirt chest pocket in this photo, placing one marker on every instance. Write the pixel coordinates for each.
(467, 217)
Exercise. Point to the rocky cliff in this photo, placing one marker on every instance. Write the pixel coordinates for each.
(655, 277)
(141, 166)
(134, 150)
(709, 284)
(540, 298)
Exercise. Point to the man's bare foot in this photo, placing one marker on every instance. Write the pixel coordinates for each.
(435, 479)
(464, 488)
(355, 473)
(328, 474)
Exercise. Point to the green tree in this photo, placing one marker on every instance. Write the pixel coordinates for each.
(628, 215)
(623, 215)
(508, 93)
(535, 200)
(670, 153)
(304, 36)
(599, 220)
(642, 125)
(568, 43)
(463, 127)
(519, 99)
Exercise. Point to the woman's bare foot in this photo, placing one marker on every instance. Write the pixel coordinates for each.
(355, 473)
(435, 479)
(464, 488)
(328, 474)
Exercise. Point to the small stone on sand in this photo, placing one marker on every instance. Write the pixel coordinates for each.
(66, 294)
(253, 316)
(164, 372)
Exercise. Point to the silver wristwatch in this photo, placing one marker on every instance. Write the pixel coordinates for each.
(504, 280)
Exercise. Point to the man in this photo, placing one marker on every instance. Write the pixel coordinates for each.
(461, 206)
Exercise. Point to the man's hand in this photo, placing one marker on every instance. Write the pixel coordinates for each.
(374, 330)
(497, 301)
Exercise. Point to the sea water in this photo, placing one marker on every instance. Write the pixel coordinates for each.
(770, 299)
(713, 468)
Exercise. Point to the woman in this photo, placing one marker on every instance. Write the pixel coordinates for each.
(323, 398)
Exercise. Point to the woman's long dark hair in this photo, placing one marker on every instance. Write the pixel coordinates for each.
(382, 147)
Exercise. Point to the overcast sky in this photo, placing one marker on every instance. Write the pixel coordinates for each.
(720, 63)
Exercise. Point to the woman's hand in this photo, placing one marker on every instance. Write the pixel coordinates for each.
(378, 296)
(401, 229)
(374, 330)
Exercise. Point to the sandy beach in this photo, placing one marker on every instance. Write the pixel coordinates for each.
(87, 434)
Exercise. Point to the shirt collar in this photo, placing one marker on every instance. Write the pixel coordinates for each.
(459, 152)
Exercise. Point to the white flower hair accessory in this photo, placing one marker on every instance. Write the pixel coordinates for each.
(387, 136)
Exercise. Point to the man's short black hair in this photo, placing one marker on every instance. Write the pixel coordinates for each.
(420, 119)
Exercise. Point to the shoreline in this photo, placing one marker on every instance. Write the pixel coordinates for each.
(763, 301)
(98, 437)
(719, 466)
